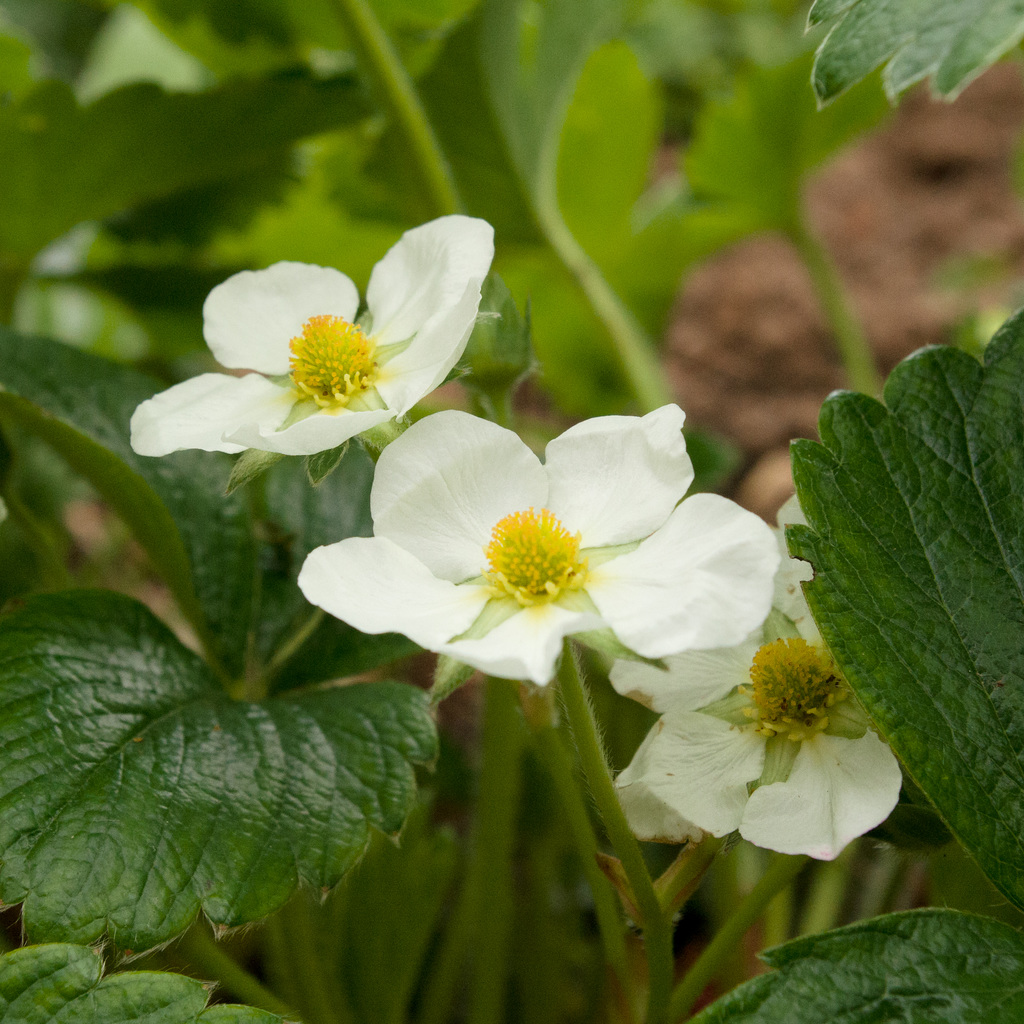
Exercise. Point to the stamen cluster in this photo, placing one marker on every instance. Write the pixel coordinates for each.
(533, 557)
(332, 360)
(793, 685)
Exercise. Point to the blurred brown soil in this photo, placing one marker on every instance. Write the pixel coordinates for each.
(748, 350)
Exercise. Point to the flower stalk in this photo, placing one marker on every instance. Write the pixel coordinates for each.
(385, 69)
(654, 921)
(781, 872)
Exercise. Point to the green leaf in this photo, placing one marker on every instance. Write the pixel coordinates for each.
(916, 535)
(199, 541)
(60, 982)
(951, 41)
(65, 163)
(919, 967)
(134, 793)
(751, 153)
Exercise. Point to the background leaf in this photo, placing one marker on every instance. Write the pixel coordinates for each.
(952, 41)
(917, 541)
(134, 792)
(199, 540)
(917, 968)
(59, 982)
(139, 144)
(751, 153)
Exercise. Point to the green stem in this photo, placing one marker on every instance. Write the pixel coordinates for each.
(303, 963)
(680, 880)
(826, 893)
(635, 350)
(577, 818)
(850, 338)
(497, 813)
(54, 572)
(200, 949)
(293, 643)
(780, 873)
(655, 922)
(396, 89)
(439, 992)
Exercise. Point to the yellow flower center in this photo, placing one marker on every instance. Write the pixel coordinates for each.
(533, 558)
(332, 360)
(794, 685)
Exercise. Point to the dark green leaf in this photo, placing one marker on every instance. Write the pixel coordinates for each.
(916, 536)
(134, 793)
(751, 153)
(65, 163)
(199, 541)
(952, 41)
(55, 983)
(920, 967)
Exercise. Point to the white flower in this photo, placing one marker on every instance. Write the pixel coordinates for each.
(764, 737)
(321, 377)
(483, 552)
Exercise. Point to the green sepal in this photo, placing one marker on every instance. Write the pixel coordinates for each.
(499, 353)
(250, 465)
(779, 756)
(320, 465)
(449, 676)
(732, 708)
(606, 643)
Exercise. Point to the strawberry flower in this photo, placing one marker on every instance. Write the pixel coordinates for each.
(485, 553)
(763, 736)
(322, 376)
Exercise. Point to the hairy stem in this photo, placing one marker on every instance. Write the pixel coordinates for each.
(497, 812)
(384, 68)
(780, 874)
(560, 767)
(654, 921)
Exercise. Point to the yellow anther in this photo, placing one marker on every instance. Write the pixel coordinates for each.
(794, 685)
(332, 360)
(533, 558)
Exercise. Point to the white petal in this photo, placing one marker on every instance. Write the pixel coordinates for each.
(703, 580)
(698, 767)
(527, 645)
(377, 587)
(426, 271)
(319, 432)
(201, 411)
(442, 486)
(789, 596)
(249, 319)
(694, 679)
(435, 349)
(617, 478)
(837, 790)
